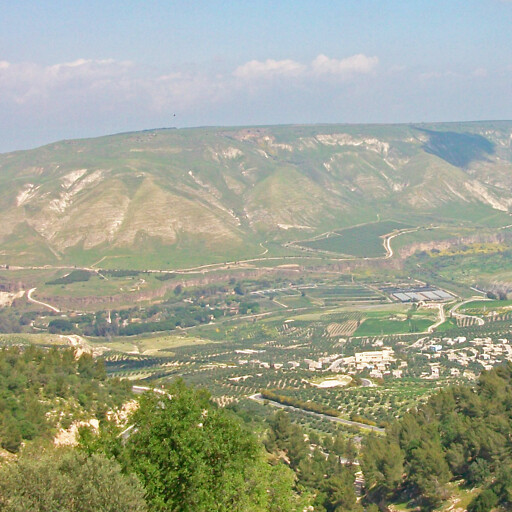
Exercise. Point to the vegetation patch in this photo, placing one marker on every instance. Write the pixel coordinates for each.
(361, 241)
(75, 276)
(42, 390)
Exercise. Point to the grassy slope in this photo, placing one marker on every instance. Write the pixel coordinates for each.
(197, 196)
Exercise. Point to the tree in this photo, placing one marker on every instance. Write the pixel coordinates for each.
(429, 471)
(60, 325)
(382, 463)
(484, 502)
(288, 437)
(191, 455)
(63, 480)
(239, 289)
(339, 493)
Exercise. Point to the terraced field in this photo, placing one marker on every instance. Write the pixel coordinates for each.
(345, 329)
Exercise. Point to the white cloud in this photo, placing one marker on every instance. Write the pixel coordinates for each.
(321, 67)
(87, 80)
(106, 92)
(269, 68)
(181, 90)
(26, 82)
(356, 64)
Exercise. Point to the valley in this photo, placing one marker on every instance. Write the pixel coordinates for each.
(344, 274)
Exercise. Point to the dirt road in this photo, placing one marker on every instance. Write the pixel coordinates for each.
(34, 301)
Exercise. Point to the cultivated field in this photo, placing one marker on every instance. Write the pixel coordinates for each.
(363, 241)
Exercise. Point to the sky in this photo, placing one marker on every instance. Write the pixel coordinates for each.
(90, 68)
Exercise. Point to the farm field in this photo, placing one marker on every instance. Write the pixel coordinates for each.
(342, 292)
(322, 295)
(363, 241)
(380, 404)
(238, 328)
(32, 339)
(381, 326)
(150, 344)
(101, 284)
(479, 306)
(290, 351)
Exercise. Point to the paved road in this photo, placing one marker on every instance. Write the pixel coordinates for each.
(212, 267)
(387, 241)
(453, 311)
(259, 398)
(140, 390)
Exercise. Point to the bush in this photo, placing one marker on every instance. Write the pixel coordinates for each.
(484, 502)
(60, 326)
(66, 480)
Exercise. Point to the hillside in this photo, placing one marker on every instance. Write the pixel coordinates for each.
(194, 196)
(455, 448)
(42, 391)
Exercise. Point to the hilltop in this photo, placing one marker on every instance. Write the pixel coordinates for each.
(204, 195)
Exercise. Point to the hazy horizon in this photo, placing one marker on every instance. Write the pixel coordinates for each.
(88, 69)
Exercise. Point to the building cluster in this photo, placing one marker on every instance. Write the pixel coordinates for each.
(457, 357)
(379, 363)
(464, 352)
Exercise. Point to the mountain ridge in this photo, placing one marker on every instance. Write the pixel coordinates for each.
(205, 195)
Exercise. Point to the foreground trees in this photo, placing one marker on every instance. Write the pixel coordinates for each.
(462, 433)
(68, 481)
(320, 471)
(42, 390)
(192, 456)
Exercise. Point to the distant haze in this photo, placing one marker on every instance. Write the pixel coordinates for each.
(70, 69)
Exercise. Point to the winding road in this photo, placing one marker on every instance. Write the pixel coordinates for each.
(212, 267)
(453, 311)
(34, 301)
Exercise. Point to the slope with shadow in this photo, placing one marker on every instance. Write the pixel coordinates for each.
(458, 149)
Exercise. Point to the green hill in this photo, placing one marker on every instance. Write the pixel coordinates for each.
(195, 196)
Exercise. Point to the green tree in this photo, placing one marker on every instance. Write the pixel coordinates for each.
(429, 471)
(339, 493)
(192, 456)
(68, 481)
(484, 502)
(288, 437)
(382, 463)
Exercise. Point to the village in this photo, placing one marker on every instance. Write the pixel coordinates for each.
(443, 356)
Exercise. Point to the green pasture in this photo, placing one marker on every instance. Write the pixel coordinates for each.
(384, 322)
(149, 345)
(486, 305)
(376, 326)
(447, 325)
(360, 241)
(296, 301)
(341, 292)
(100, 285)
